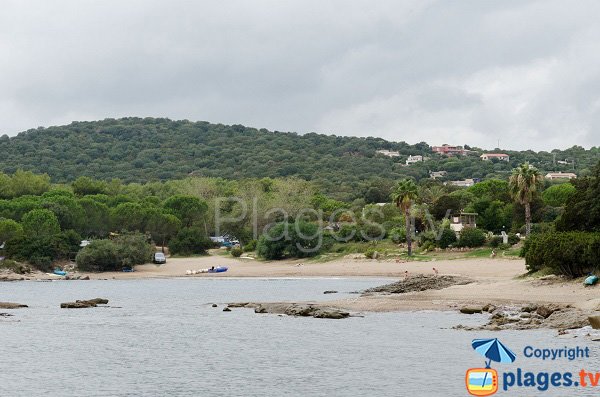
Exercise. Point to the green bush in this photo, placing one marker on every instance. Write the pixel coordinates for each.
(513, 239)
(15, 266)
(495, 241)
(236, 252)
(250, 246)
(189, 241)
(126, 250)
(371, 253)
(294, 240)
(40, 251)
(447, 238)
(573, 254)
(99, 256)
(397, 235)
(471, 237)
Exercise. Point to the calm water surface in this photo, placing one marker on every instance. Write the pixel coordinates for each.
(163, 338)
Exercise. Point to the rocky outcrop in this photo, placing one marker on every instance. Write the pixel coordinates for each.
(82, 304)
(330, 292)
(294, 309)
(471, 309)
(594, 321)
(536, 316)
(420, 283)
(11, 305)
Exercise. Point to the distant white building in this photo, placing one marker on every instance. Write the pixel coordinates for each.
(437, 174)
(388, 153)
(560, 175)
(497, 156)
(464, 183)
(414, 159)
(563, 162)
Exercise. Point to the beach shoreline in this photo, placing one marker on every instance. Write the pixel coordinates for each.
(498, 282)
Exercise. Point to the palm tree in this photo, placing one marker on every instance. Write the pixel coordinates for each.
(403, 195)
(524, 184)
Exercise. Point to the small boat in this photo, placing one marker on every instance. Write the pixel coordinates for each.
(59, 272)
(218, 269)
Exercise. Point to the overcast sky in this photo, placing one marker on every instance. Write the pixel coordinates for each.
(461, 72)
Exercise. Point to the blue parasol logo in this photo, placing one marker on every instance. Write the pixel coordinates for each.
(484, 381)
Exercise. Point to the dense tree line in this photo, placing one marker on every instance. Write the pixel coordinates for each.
(345, 168)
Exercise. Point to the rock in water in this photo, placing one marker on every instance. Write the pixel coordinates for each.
(226, 309)
(330, 292)
(81, 304)
(471, 309)
(11, 305)
(214, 305)
(594, 321)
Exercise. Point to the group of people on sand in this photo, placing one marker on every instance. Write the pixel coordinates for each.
(407, 274)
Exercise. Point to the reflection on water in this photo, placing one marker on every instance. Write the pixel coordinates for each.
(163, 338)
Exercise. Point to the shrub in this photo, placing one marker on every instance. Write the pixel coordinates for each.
(189, 241)
(112, 255)
(447, 238)
(398, 235)
(572, 254)
(371, 231)
(471, 237)
(99, 256)
(371, 253)
(495, 241)
(296, 240)
(513, 239)
(236, 252)
(250, 246)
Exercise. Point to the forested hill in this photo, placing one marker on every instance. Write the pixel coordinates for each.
(144, 149)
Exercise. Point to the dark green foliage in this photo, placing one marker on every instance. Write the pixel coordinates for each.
(236, 252)
(558, 195)
(40, 223)
(127, 250)
(9, 230)
(293, 240)
(250, 245)
(513, 239)
(397, 235)
(471, 237)
(572, 254)
(189, 209)
(582, 211)
(42, 250)
(447, 238)
(444, 204)
(189, 241)
(139, 150)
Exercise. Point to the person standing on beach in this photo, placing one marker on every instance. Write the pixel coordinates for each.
(435, 272)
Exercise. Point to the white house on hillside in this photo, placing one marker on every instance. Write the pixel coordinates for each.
(497, 156)
(560, 175)
(414, 159)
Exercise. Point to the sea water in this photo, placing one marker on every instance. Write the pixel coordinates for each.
(162, 337)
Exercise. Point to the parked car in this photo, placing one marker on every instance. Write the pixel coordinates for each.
(159, 258)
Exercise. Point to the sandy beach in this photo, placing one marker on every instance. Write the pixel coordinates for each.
(496, 281)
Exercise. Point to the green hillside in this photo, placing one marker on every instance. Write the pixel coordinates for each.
(140, 150)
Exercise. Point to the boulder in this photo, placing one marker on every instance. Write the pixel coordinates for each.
(301, 310)
(471, 309)
(529, 308)
(95, 301)
(85, 278)
(330, 292)
(594, 321)
(80, 304)
(226, 309)
(214, 305)
(75, 305)
(11, 305)
(546, 310)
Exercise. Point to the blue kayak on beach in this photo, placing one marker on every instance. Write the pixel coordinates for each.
(59, 272)
(218, 269)
(591, 280)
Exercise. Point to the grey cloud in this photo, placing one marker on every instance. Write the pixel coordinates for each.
(526, 72)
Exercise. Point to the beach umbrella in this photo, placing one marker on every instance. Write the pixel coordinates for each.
(493, 350)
